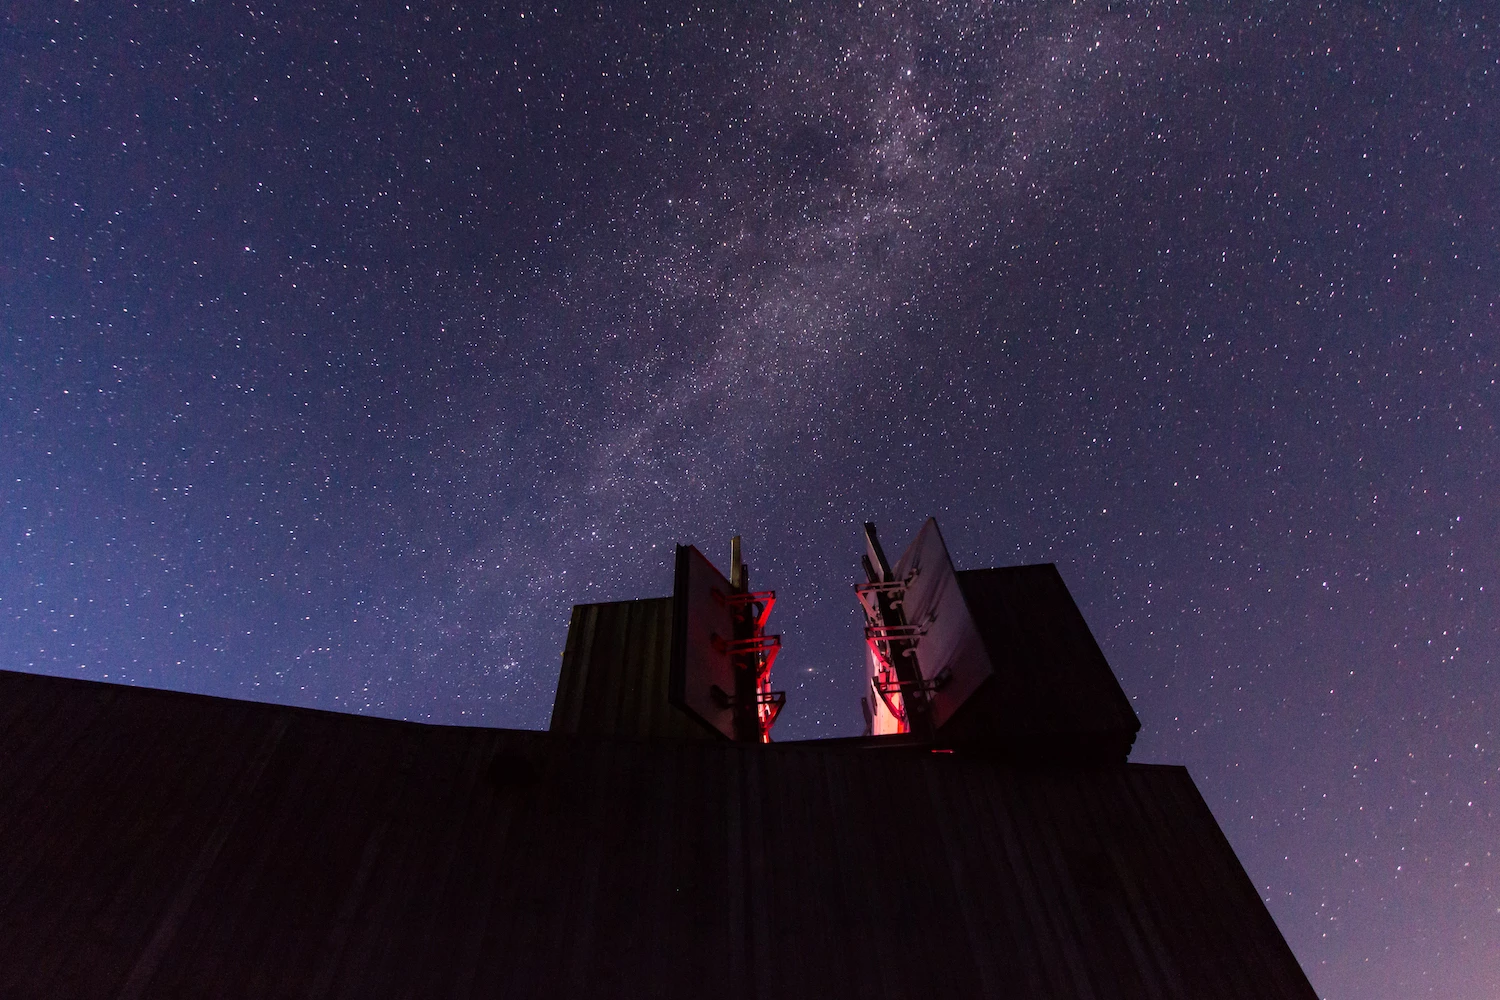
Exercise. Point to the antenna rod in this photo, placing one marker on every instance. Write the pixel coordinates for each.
(739, 575)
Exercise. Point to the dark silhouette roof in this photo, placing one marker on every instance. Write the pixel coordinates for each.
(1052, 695)
(155, 844)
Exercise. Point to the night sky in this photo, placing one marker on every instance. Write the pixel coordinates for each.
(344, 349)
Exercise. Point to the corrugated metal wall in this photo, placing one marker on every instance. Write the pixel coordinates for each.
(615, 674)
(166, 845)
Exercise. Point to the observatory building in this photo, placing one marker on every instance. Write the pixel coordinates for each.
(988, 837)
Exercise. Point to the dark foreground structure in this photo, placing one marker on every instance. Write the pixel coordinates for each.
(156, 844)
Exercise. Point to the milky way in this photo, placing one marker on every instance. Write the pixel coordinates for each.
(347, 348)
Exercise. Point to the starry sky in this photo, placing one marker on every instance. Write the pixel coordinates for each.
(344, 348)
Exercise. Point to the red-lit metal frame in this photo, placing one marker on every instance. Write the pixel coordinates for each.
(758, 603)
(869, 597)
(763, 648)
(887, 685)
(768, 705)
(878, 637)
(881, 638)
(887, 633)
(756, 652)
(885, 586)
